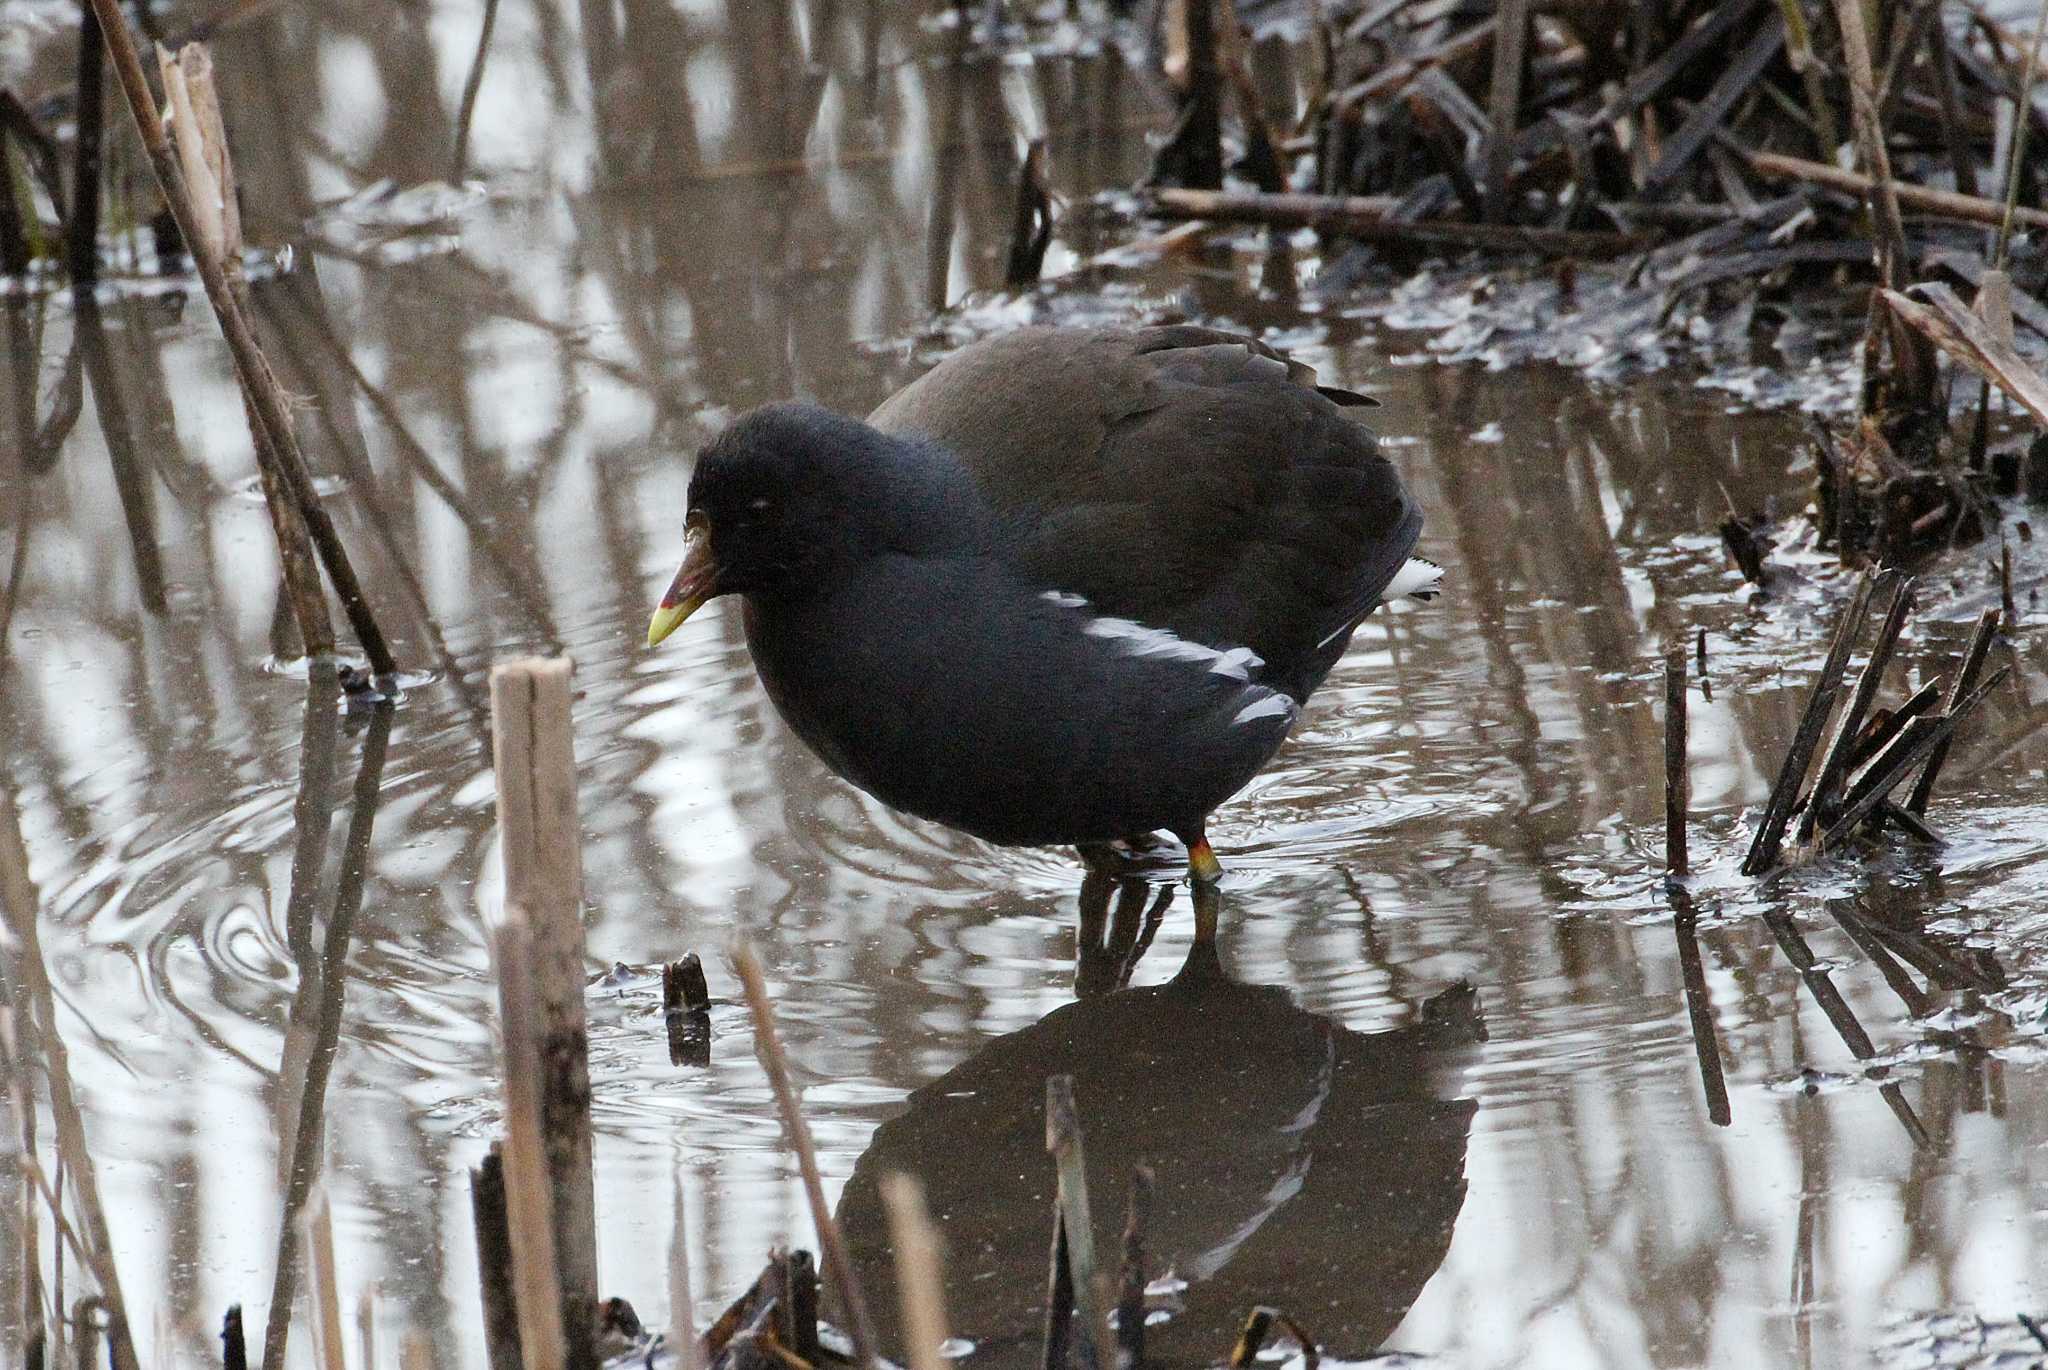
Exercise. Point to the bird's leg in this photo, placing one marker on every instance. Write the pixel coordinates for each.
(1203, 867)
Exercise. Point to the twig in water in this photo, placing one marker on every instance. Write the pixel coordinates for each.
(209, 174)
(1962, 685)
(768, 1046)
(1677, 772)
(917, 1271)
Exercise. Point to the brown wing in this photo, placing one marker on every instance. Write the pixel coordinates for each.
(1185, 477)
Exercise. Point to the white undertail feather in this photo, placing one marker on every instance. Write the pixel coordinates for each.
(1417, 579)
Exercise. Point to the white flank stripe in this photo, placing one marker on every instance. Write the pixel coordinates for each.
(1140, 639)
(1272, 706)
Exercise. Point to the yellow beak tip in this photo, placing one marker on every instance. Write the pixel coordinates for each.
(666, 620)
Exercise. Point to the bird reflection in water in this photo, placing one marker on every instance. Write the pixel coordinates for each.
(1297, 1162)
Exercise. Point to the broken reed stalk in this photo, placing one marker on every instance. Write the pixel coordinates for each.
(1193, 152)
(1063, 1141)
(768, 1046)
(1925, 199)
(917, 1271)
(259, 386)
(1370, 218)
(1504, 102)
(1959, 331)
(1820, 703)
(1261, 163)
(533, 753)
(1130, 1306)
(1834, 766)
(1799, 48)
(2015, 159)
(1677, 773)
(1868, 122)
(209, 173)
(1889, 769)
(1964, 682)
(494, 1260)
(1258, 1326)
(529, 1207)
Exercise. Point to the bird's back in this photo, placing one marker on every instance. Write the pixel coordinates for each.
(1183, 477)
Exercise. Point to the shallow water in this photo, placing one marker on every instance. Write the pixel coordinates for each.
(667, 215)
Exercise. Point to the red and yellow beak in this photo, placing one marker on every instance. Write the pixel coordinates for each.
(696, 581)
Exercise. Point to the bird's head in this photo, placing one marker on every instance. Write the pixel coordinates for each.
(791, 494)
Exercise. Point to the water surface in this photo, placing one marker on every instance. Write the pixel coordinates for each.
(511, 333)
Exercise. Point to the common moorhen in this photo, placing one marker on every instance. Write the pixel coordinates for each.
(1072, 586)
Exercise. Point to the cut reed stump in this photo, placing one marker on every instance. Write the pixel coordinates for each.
(686, 1011)
(541, 981)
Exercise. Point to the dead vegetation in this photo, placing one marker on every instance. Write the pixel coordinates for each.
(1805, 156)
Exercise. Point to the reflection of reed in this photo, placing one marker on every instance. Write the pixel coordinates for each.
(117, 433)
(41, 1037)
(313, 1031)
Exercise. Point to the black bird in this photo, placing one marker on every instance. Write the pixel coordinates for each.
(1072, 586)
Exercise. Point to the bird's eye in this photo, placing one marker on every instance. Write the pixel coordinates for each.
(758, 503)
